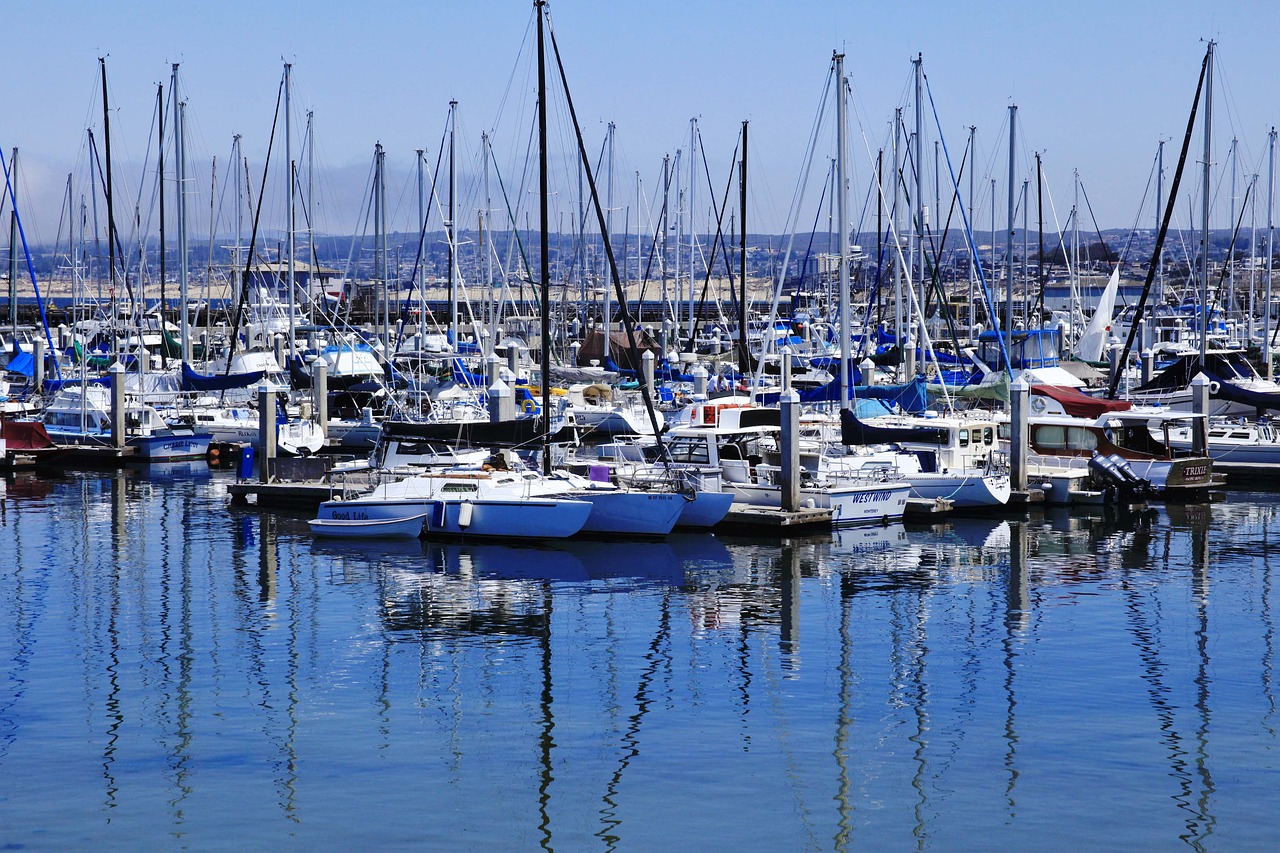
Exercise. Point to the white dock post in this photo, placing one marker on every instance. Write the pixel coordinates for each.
(1200, 408)
(37, 356)
(868, 368)
(789, 403)
(266, 431)
(320, 394)
(502, 402)
(1019, 398)
(700, 380)
(784, 356)
(646, 368)
(117, 405)
(1148, 365)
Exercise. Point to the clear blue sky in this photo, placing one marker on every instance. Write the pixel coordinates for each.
(1097, 85)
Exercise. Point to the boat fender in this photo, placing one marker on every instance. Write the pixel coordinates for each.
(465, 509)
(436, 518)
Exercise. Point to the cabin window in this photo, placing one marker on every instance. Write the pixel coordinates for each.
(964, 438)
(690, 451)
(1051, 437)
(988, 436)
(1079, 438)
(458, 487)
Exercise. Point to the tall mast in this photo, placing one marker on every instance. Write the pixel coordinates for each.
(1159, 218)
(292, 226)
(973, 260)
(1266, 303)
(693, 224)
(314, 275)
(180, 152)
(164, 302)
(111, 220)
(544, 260)
(744, 359)
(1075, 251)
(920, 208)
(604, 266)
(1204, 207)
(899, 314)
(451, 228)
(236, 267)
(666, 191)
(842, 222)
(1228, 303)
(382, 246)
(1008, 290)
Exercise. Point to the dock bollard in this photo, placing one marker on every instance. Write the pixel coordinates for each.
(320, 394)
(266, 431)
(789, 403)
(1019, 437)
(1200, 386)
(117, 405)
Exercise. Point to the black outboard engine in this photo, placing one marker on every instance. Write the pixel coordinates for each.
(1115, 473)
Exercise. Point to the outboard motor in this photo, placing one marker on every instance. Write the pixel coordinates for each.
(1116, 474)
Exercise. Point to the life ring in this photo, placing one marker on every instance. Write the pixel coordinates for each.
(1038, 404)
(1214, 387)
(930, 369)
(529, 407)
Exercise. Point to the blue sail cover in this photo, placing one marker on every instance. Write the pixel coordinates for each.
(910, 397)
(22, 363)
(192, 381)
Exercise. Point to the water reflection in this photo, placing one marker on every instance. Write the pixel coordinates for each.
(851, 687)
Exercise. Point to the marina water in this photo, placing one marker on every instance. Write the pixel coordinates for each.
(175, 672)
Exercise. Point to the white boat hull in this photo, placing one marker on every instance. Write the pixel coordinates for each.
(849, 505)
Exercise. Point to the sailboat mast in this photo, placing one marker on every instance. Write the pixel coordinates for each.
(604, 261)
(899, 315)
(666, 192)
(452, 226)
(544, 259)
(1008, 282)
(1266, 303)
(1204, 207)
(314, 275)
(180, 153)
(1159, 218)
(842, 222)
(1229, 302)
(111, 220)
(164, 302)
(693, 225)
(920, 207)
(292, 226)
(973, 260)
(744, 358)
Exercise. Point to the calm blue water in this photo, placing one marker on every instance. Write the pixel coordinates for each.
(176, 673)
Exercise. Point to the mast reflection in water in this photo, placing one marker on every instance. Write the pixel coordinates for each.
(174, 669)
